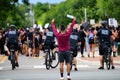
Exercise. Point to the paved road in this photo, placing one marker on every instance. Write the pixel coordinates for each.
(53, 74)
(33, 69)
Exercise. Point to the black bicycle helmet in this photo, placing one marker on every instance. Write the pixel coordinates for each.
(104, 23)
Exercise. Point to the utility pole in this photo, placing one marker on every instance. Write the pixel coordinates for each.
(31, 15)
(85, 11)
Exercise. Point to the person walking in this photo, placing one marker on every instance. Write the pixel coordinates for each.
(63, 38)
(82, 36)
(91, 41)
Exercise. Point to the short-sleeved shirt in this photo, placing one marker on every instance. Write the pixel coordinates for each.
(104, 34)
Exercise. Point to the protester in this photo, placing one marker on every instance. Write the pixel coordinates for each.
(63, 38)
(82, 36)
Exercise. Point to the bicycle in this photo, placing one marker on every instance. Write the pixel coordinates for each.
(73, 51)
(107, 54)
(71, 59)
(51, 61)
(12, 56)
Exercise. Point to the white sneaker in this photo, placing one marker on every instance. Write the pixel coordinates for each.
(68, 78)
(62, 78)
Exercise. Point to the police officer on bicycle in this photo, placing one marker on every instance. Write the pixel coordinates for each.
(50, 40)
(104, 35)
(12, 39)
(74, 40)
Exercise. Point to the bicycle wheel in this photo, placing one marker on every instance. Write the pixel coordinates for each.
(108, 61)
(71, 61)
(54, 59)
(13, 61)
(47, 61)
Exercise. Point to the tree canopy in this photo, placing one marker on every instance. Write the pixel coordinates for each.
(20, 14)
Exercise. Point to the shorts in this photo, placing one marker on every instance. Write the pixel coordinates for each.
(91, 41)
(15, 46)
(36, 44)
(74, 51)
(64, 56)
(30, 45)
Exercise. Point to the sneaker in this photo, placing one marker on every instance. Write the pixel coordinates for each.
(62, 78)
(82, 56)
(93, 56)
(88, 55)
(27, 55)
(68, 78)
(76, 69)
(100, 68)
(17, 65)
(113, 67)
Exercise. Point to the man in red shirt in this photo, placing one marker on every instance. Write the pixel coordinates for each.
(63, 38)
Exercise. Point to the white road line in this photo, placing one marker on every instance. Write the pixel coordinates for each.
(39, 66)
(1, 68)
(43, 66)
(82, 66)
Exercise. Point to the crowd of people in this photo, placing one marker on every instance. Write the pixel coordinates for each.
(31, 41)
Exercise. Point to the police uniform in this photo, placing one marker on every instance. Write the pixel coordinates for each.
(104, 35)
(12, 39)
(74, 39)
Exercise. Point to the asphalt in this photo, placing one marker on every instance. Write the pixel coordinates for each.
(37, 62)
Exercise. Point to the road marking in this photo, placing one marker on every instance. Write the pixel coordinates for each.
(1, 68)
(3, 59)
(39, 66)
(82, 66)
(43, 66)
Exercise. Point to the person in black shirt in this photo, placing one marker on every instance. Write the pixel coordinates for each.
(30, 41)
(1, 43)
(37, 40)
(82, 36)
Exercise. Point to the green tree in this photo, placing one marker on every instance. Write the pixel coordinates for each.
(8, 10)
(108, 9)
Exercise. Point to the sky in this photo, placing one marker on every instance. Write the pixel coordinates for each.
(44, 1)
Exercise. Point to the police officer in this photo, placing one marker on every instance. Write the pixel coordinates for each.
(104, 35)
(74, 41)
(12, 39)
(50, 40)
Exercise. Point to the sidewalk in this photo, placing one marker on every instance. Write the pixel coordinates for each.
(95, 60)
